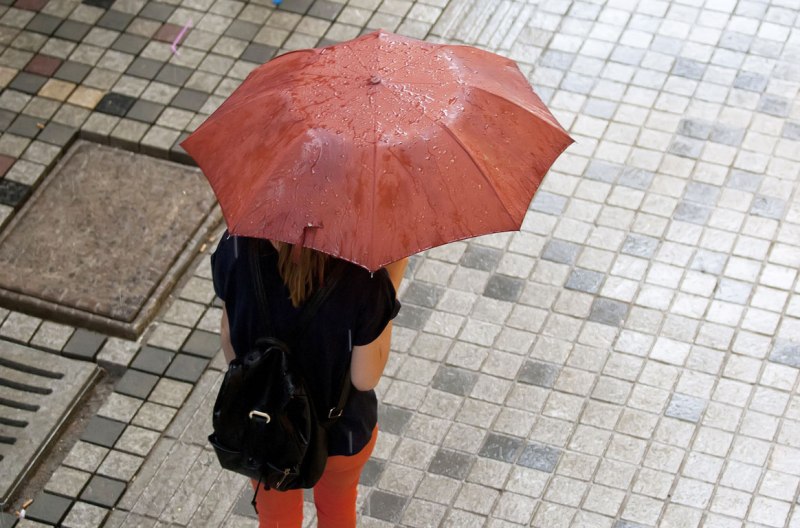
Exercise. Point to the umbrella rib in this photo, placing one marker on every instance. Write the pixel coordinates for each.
(532, 111)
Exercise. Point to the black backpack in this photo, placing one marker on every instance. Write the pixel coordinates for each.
(266, 424)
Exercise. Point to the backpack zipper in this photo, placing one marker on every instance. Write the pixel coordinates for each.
(280, 482)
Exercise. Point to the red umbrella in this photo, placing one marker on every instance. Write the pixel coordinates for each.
(378, 148)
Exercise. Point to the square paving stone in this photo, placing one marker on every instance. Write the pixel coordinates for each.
(7, 520)
(454, 380)
(84, 344)
(774, 105)
(768, 207)
(385, 506)
(187, 368)
(115, 104)
(481, 258)
(6, 118)
(393, 420)
(372, 472)
(244, 506)
(202, 343)
(43, 65)
(791, 130)
(608, 311)
(145, 111)
(72, 30)
(103, 491)
(167, 33)
(25, 126)
(72, 71)
(689, 68)
(30, 5)
(115, 20)
(561, 251)
(48, 508)
(242, 30)
(58, 134)
(174, 75)
(102, 4)
(152, 359)
(603, 171)
(144, 68)
(102, 431)
(694, 128)
(500, 447)
(157, 11)
(136, 383)
(786, 352)
(584, 280)
(128, 43)
(549, 203)
(27, 82)
(325, 9)
(451, 464)
(504, 288)
(412, 317)
(258, 53)
(12, 193)
(538, 373)
(295, 6)
(5, 163)
(43, 23)
(640, 245)
(88, 268)
(744, 180)
(686, 147)
(692, 213)
(422, 294)
(636, 178)
(539, 457)
(684, 407)
(84, 515)
(189, 99)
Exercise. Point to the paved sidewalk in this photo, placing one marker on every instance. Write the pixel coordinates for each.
(630, 359)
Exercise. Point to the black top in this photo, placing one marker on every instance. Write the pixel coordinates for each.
(355, 313)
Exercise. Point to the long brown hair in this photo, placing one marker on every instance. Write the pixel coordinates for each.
(302, 275)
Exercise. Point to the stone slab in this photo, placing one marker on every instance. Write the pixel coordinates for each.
(104, 239)
(45, 389)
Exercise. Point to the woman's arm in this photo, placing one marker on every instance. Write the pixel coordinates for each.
(369, 360)
(225, 336)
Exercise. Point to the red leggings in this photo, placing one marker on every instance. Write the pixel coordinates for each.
(334, 495)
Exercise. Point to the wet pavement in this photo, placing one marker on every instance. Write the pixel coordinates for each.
(629, 359)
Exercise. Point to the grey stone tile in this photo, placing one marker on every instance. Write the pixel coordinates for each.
(157, 11)
(628, 55)
(600, 108)
(84, 515)
(686, 147)
(689, 68)
(481, 258)
(25, 126)
(201, 343)
(454, 380)
(727, 135)
(413, 317)
(102, 431)
(385, 506)
(768, 207)
(752, 81)
(684, 407)
(557, 59)
(422, 294)
(791, 130)
(708, 261)
(451, 464)
(666, 45)
(72, 30)
(504, 288)
(258, 53)
(6, 118)
(244, 506)
(636, 178)
(145, 111)
(72, 71)
(296, 6)
(243, 30)
(114, 20)
(27, 82)
(694, 128)
(577, 83)
(774, 105)
(58, 134)
(539, 457)
(500, 447)
(325, 9)
(136, 383)
(545, 202)
(48, 508)
(561, 251)
(702, 193)
(393, 420)
(692, 213)
(172, 74)
(144, 68)
(585, 280)
(733, 291)
(372, 472)
(744, 181)
(43, 23)
(128, 43)
(84, 344)
(608, 311)
(186, 368)
(603, 171)
(539, 373)
(735, 41)
(103, 491)
(786, 352)
(153, 360)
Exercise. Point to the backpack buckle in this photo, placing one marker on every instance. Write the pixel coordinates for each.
(259, 414)
(334, 413)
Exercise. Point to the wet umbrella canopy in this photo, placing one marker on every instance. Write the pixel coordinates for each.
(377, 148)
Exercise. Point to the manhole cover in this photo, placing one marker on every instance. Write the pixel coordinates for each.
(37, 393)
(104, 239)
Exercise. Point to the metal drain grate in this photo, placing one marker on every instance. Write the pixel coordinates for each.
(37, 393)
